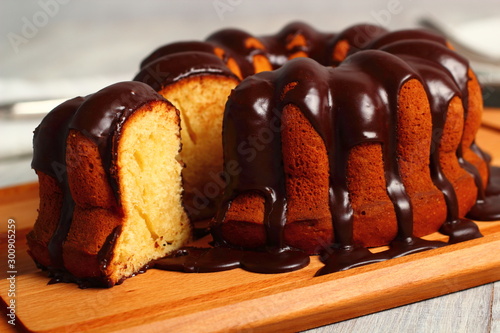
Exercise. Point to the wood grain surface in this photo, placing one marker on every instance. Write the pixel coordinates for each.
(238, 300)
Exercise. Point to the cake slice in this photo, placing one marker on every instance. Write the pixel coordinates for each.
(122, 197)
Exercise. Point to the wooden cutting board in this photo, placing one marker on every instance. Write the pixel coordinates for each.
(236, 300)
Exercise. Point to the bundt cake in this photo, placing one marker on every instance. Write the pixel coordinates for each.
(212, 68)
(110, 185)
(295, 144)
(375, 149)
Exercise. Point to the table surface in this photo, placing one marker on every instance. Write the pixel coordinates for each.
(476, 309)
(473, 310)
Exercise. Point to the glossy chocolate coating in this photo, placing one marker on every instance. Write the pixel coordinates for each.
(191, 46)
(49, 139)
(413, 35)
(357, 36)
(493, 187)
(205, 260)
(49, 157)
(171, 68)
(351, 104)
(433, 61)
(318, 46)
(346, 110)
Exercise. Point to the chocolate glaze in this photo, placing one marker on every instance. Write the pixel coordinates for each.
(387, 38)
(419, 54)
(49, 139)
(487, 208)
(174, 67)
(205, 260)
(100, 118)
(49, 157)
(276, 48)
(345, 110)
(357, 36)
(493, 187)
(200, 260)
(279, 49)
(191, 46)
(434, 62)
(233, 41)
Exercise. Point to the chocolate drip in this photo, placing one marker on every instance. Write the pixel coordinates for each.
(174, 67)
(104, 255)
(270, 184)
(49, 157)
(487, 208)
(49, 139)
(434, 63)
(106, 252)
(383, 76)
(418, 53)
(357, 36)
(493, 187)
(345, 110)
(370, 116)
(234, 42)
(203, 260)
(55, 245)
(413, 35)
(179, 47)
(200, 260)
(258, 117)
(279, 49)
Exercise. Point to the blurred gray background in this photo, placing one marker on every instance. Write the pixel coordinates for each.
(63, 48)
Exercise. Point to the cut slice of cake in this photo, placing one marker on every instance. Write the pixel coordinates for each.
(123, 190)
